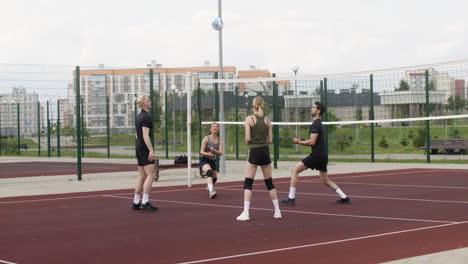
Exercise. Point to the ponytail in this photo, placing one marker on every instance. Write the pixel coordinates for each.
(258, 104)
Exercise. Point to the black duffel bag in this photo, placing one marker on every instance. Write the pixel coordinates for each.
(181, 159)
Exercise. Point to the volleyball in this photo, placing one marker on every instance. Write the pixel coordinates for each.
(217, 23)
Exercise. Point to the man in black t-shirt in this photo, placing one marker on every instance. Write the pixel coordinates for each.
(317, 160)
(145, 156)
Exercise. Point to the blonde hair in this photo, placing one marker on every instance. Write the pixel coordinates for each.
(141, 100)
(258, 104)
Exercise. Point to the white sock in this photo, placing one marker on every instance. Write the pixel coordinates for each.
(341, 193)
(210, 187)
(136, 199)
(276, 204)
(145, 198)
(246, 207)
(292, 193)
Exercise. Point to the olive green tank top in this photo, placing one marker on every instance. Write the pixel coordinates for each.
(259, 133)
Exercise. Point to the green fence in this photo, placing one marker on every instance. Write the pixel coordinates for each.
(69, 113)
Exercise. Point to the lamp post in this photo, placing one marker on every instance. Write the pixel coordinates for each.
(246, 95)
(295, 69)
(217, 25)
(173, 91)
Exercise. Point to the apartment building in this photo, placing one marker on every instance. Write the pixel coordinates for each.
(123, 87)
(27, 114)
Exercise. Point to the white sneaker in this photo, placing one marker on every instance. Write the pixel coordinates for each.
(243, 217)
(277, 215)
(213, 194)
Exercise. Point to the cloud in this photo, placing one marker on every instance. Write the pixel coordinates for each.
(322, 37)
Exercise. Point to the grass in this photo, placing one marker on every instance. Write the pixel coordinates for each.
(357, 139)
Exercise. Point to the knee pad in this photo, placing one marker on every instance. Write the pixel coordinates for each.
(248, 184)
(209, 173)
(269, 184)
(215, 180)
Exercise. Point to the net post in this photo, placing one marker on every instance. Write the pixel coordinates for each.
(58, 128)
(188, 86)
(236, 93)
(82, 128)
(38, 128)
(216, 113)
(275, 127)
(18, 125)
(0, 131)
(325, 117)
(151, 95)
(108, 125)
(371, 117)
(321, 91)
(78, 122)
(48, 131)
(166, 117)
(428, 130)
(199, 115)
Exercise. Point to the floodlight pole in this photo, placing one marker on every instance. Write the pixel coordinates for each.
(295, 69)
(222, 162)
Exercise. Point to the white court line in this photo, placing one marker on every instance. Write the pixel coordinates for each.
(337, 177)
(6, 262)
(363, 196)
(50, 199)
(91, 196)
(228, 186)
(405, 185)
(319, 244)
(294, 211)
(279, 180)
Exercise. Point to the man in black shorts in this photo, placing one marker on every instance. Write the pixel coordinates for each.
(317, 160)
(145, 156)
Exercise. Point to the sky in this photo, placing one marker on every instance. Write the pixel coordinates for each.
(320, 36)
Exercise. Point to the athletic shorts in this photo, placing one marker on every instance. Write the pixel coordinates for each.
(316, 163)
(259, 156)
(142, 157)
(210, 162)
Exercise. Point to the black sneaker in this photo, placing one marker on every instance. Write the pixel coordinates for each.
(288, 201)
(148, 207)
(344, 201)
(135, 206)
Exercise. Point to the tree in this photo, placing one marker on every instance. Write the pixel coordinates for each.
(68, 130)
(157, 110)
(432, 86)
(403, 86)
(383, 142)
(420, 139)
(455, 103)
(342, 142)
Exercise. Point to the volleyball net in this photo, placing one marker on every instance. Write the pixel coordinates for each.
(394, 114)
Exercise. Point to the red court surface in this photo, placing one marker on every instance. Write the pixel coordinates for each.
(394, 214)
(34, 168)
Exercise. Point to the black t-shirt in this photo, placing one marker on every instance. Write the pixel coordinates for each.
(319, 148)
(143, 120)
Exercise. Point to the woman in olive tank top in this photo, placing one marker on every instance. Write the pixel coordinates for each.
(211, 147)
(258, 135)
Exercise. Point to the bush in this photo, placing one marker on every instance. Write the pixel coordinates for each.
(342, 142)
(383, 142)
(286, 136)
(420, 139)
(411, 134)
(404, 141)
(454, 132)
